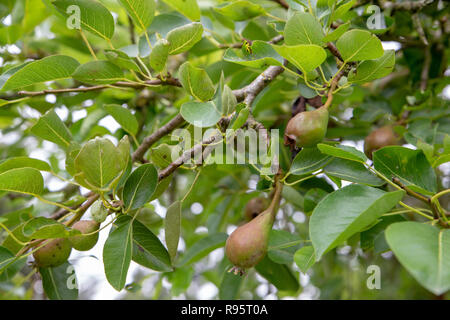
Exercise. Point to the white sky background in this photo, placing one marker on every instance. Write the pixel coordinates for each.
(90, 270)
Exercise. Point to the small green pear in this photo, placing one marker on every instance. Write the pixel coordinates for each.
(98, 211)
(255, 206)
(83, 242)
(53, 254)
(379, 138)
(247, 245)
(307, 128)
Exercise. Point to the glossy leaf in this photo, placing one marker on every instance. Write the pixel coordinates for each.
(117, 254)
(306, 57)
(22, 180)
(201, 114)
(172, 227)
(352, 171)
(124, 117)
(51, 128)
(305, 258)
(98, 72)
(196, 81)
(188, 8)
(424, 251)
(22, 162)
(308, 160)
(140, 186)
(410, 166)
(347, 211)
(357, 45)
(303, 28)
(240, 10)
(202, 247)
(184, 38)
(374, 69)
(45, 228)
(261, 55)
(141, 11)
(60, 283)
(50, 68)
(94, 17)
(343, 152)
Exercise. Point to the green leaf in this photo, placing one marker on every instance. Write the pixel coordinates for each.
(148, 251)
(357, 45)
(159, 54)
(188, 8)
(94, 17)
(117, 253)
(10, 34)
(230, 286)
(121, 59)
(312, 197)
(282, 246)
(45, 228)
(374, 69)
(410, 166)
(98, 72)
(347, 211)
(140, 186)
(305, 258)
(424, 251)
(22, 180)
(60, 283)
(202, 247)
(6, 256)
(228, 101)
(343, 152)
(51, 128)
(278, 274)
(371, 236)
(22, 162)
(172, 227)
(241, 10)
(200, 114)
(337, 33)
(308, 160)
(260, 56)
(183, 38)
(306, 57)
(46, 69)
(303, 28)
(141, 11)
(196, 81)
(94, 166)
(342, 10)
(124, 117)
(352, 171)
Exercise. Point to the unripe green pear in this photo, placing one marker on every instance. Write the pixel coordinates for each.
(254, 207)
(379, 138)
(53, 254)
(247, 245)
(307, 128)
(82, 242)
(98, 211)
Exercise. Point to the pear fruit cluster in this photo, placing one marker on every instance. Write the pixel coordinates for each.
(247, 245)
(57, 251)
(308, 128)
(379, 138)
(53, 254)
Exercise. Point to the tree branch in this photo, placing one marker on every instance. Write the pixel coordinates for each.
(407, 5)
(138, 155)
(124, 84)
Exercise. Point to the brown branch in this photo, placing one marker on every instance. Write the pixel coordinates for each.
(249, 92)
(186, 156)
(122, 84)
(407, 5)
(334, 51)
(138, 155)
